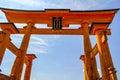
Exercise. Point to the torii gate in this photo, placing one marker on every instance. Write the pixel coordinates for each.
(58, 21)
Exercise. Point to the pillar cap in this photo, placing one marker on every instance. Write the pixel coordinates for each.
(31, 56)
(99, 26)
(82, 57)
(9, 26)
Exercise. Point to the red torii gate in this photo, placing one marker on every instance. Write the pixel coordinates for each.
(92, 23)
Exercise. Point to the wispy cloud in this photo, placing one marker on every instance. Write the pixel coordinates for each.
(97, 4)
(55, 36)
(32, 3)
(38, 40)
(23, 4)
(41, 44)
(38, 44)
(35, 46)
(76, 4)
(37, 50)
(16, 38)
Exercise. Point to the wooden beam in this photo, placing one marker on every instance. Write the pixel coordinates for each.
(13, 48)
(94, 51)
(16, 51)
(70, 16)
(57, 32)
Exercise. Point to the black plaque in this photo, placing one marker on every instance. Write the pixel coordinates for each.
(57, 23)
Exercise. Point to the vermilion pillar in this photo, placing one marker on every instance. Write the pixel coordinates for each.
(108, 70)
(19, 62)
(82, 57)
(30, 58)
(107, 67)
(90, 63)
(3, 43)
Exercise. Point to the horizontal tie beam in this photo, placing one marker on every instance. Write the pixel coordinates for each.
(58, 32)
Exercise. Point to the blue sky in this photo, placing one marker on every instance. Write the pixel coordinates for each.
(58, 56)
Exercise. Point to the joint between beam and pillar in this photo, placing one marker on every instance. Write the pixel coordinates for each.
(94, 51)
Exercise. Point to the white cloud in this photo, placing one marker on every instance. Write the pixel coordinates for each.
(16, 38)
(26, 2)
(97, 4)
(39, 44)
(37, 50)
(23, 4)
(75, 4)
(36, 45)
(54, 37)
(37, 40)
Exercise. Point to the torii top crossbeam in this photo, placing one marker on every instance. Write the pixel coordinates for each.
(68, 17)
